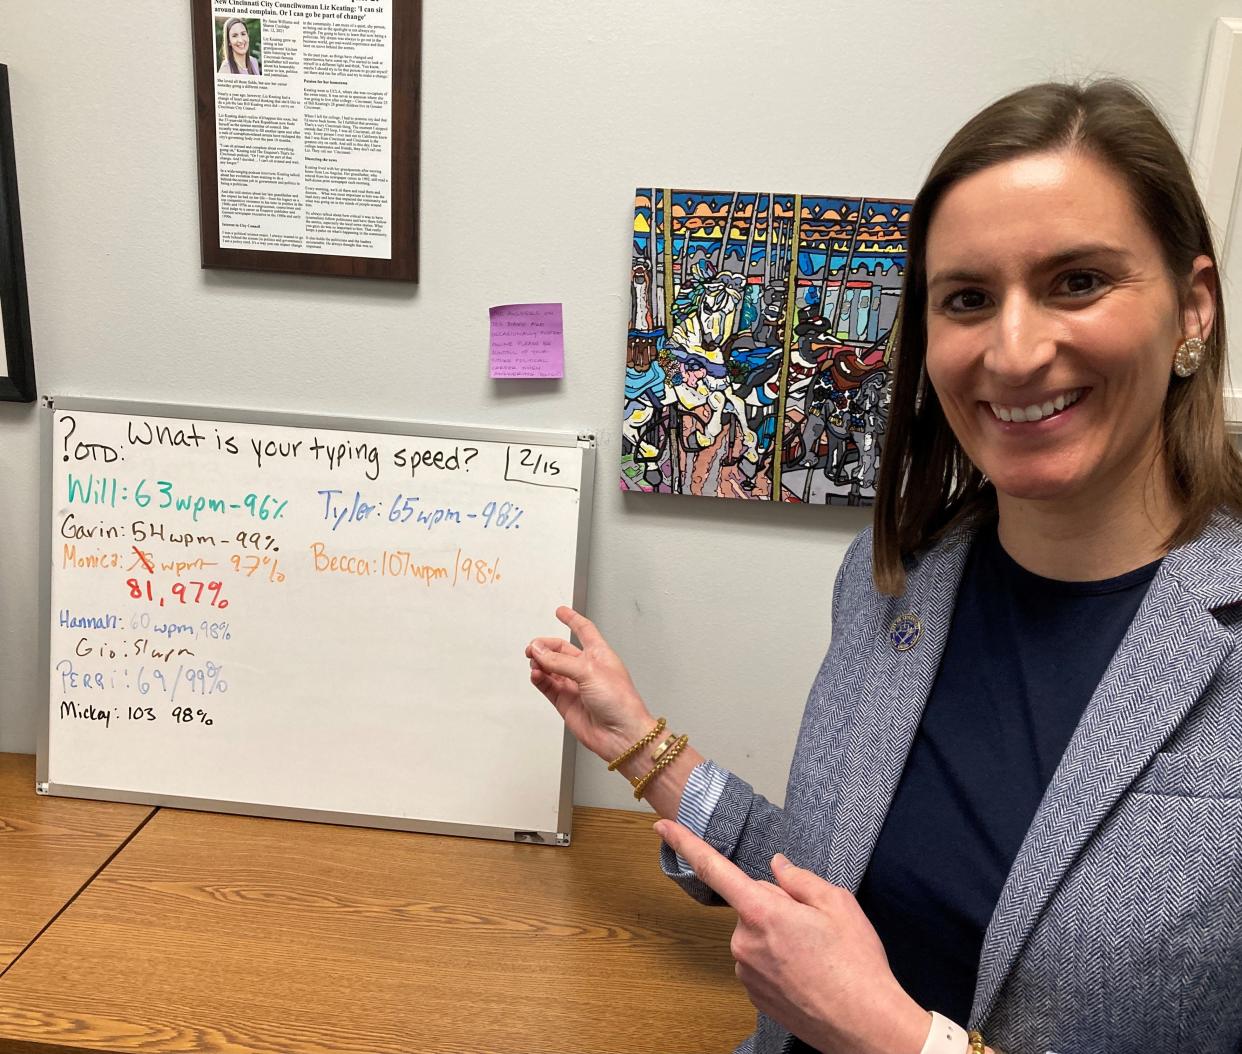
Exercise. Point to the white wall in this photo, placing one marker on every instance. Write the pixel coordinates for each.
(538, 120)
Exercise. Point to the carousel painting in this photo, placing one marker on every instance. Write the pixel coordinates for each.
(757, 360)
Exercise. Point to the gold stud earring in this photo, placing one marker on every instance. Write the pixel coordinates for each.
(1189, 356)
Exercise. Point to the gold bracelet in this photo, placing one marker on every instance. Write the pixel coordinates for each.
(655, 754)
(670, 755)
(977, 1046)
(660, 726)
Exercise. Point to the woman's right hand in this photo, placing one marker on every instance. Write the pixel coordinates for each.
(590, 687)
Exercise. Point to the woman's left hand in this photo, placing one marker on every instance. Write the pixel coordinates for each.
(807, 955)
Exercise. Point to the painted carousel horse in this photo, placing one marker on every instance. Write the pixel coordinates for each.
(700, 337)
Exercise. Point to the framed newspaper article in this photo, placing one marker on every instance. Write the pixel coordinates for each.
(308, 115)
(17, 379)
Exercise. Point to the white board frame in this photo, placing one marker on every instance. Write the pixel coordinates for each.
(1216, 156)
(434, 430)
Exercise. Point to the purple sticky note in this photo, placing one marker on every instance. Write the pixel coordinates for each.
(528, 340)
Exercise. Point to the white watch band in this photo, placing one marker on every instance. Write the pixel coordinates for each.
(945, 1037)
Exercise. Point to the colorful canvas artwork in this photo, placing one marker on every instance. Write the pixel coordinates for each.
(757, 360)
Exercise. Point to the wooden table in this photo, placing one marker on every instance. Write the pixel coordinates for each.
(234, 934)
(49, 849)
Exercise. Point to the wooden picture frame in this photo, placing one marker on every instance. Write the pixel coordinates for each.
(18, 383)
(402, 265)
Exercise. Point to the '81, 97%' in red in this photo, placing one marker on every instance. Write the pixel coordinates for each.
(183, 592)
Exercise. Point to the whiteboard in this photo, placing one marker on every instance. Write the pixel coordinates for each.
(308, 617)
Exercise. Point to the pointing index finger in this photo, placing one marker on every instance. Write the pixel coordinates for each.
(581, 626)
(714, 869)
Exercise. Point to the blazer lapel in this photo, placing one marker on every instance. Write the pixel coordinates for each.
(1166, 659)
(886, 721)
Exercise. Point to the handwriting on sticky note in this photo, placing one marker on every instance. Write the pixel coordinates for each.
(528, 340)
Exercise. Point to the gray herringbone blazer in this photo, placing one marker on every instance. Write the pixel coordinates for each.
(1119, 928)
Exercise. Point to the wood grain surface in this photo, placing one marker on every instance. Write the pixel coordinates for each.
(49, 848)
(236, 934)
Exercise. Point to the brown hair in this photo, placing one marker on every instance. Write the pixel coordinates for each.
(927, 483)
(226, 52)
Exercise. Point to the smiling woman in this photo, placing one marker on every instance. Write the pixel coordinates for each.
(1052, 362)
(1016, 797)
(1066, 256)
(236, 47)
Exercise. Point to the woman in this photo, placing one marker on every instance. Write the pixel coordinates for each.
(235, 57)
(1016, 798)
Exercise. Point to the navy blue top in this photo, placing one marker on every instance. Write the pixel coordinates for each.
(1023, 656)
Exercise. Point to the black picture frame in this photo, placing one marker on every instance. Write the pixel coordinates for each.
(18, 385)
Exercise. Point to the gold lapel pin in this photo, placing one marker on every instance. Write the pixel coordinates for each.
(905, 631)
